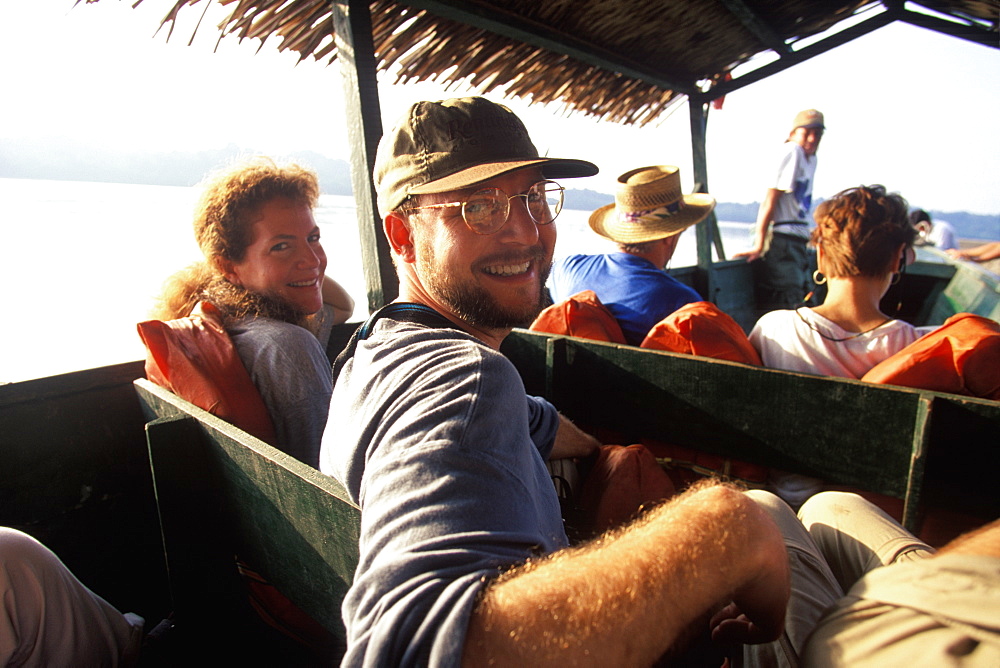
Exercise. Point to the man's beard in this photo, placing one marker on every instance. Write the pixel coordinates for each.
(473, 303)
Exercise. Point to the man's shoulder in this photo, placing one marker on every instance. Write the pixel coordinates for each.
(399, 340)
(579, 259)
(792, 151)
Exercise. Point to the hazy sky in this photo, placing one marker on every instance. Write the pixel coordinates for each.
(904, 106)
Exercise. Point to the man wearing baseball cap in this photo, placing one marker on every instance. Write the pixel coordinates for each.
(782, 277)
(463, 554)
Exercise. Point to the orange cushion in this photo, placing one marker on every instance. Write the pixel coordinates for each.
(194, 358)
(962, 356)
(702, 328)
(622, 479)
(581, 315)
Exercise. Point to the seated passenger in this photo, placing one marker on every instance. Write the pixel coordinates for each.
(940, 234)
(863, 243)
(264, 272)
(50, 618)
(646, 221)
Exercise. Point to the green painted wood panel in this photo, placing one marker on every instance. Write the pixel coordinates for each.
(287, 520)
(875, 437)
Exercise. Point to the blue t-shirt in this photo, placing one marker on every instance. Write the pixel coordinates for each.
(637, 292)
(432, 435)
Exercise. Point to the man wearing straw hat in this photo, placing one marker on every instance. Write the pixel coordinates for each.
(646, 221)
(463, 558)
(784, 263)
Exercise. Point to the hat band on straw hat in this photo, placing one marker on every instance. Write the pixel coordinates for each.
(650, 215)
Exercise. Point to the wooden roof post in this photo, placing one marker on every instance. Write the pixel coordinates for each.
(708, 231)
(352, 24)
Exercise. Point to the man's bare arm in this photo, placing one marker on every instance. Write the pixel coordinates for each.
(571, 441)
(983, 541)
(627, 598)
(982, 253)
(765, 218)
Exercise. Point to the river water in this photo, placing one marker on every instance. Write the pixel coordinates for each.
(84, 262)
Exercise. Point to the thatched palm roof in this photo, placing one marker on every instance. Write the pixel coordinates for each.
(625, 61)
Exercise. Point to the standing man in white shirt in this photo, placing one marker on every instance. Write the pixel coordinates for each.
(782, 277)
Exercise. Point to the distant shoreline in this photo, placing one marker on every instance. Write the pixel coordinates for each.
(972, 228)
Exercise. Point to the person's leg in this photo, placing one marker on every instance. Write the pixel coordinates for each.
(814, 587)
(856, 536)
(781, 277)
(49, 618)
(940, 611)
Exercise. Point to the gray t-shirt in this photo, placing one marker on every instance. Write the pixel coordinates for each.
(433, 436)
(294, 377)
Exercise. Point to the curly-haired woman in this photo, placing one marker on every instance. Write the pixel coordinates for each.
(264, 271)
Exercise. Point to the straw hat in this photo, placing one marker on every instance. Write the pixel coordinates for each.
(649, 205)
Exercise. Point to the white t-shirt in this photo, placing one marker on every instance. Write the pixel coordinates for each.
(795, 178)
(943, 235)
(797, 341)
(803, 341)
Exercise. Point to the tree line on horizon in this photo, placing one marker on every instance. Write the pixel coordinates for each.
(63, 160)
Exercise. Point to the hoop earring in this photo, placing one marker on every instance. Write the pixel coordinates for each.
(818, 278)
(898, 276)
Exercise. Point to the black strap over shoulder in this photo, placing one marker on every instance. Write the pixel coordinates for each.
(402, 311)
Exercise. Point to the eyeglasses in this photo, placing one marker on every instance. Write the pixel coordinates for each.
(486, 211)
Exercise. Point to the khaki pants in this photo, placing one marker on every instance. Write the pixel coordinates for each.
(48, 618)
(836, 539)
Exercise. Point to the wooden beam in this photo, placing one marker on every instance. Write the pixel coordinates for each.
(707, 231)
(542, 36)
(802, 55)
(356, 56)
(966, 31)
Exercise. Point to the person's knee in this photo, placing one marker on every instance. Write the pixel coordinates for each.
(18, 547)
(825, 506)
(835, 507)
(779, 511)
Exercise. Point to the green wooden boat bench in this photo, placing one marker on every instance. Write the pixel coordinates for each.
(914, 445)
(221, 492)
(971, 289)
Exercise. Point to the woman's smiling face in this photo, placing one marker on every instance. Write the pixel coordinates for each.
(285, 260)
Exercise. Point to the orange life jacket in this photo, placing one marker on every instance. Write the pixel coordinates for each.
(702, 328)
(194, 358)
(962, 356)
(581, 315)
(622, 480)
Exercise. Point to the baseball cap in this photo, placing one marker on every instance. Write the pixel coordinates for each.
(452, 144)
(810, 118)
